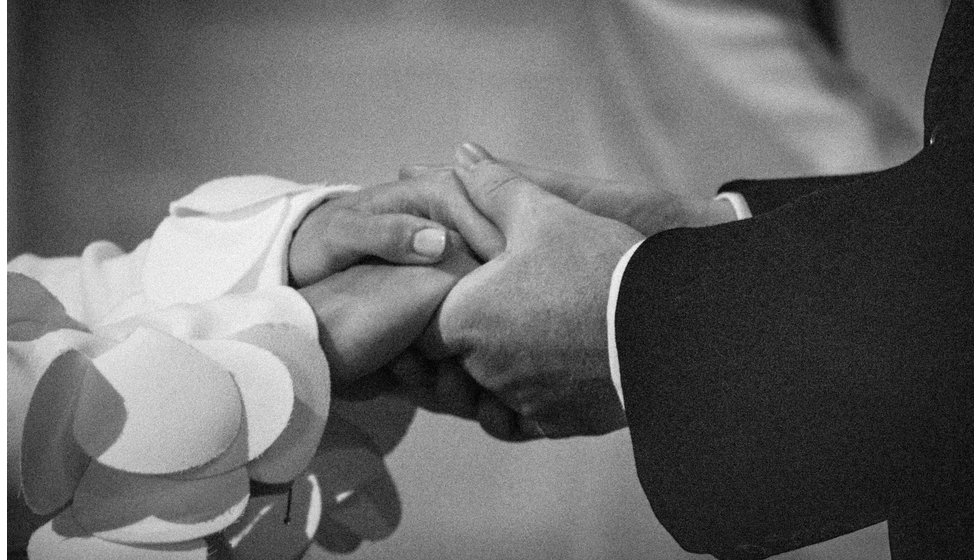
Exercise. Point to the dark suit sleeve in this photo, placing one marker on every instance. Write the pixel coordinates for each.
(808, 372)
(766, 196)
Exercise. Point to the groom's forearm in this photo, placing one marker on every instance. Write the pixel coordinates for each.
(770, 367)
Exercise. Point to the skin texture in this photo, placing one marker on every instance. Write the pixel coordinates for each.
(370, 313)
(563, 235)
(355, 260)
(383, 221)
(529, 325)
(645, 208)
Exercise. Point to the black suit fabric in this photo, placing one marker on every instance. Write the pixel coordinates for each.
(808, 372)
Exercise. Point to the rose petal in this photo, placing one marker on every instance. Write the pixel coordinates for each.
(36, 355)
(133, 306)
(32, 311)
(140, 509)
(222, 317)
(63, 538)
(21, 521)
(51, 462)
(197, 258)
(263, 531)
(159, 406)
(264, 383)
(26, 363)
(229, 194)
(292, 451)
(235, 457)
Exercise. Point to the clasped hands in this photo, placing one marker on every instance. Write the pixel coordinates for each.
(480, 289)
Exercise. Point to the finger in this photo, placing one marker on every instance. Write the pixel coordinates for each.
(411, 369)
(457, 392)
(566, 185)
(531, 428)
(416, 378)
(412, 171)
(499, 421)
(329, 242)
(572, 188)
(494, 417)
(450, 204)
(367, 387)
(396, 238)
(421, 397)
(457, 259)
(432, 344)
(502, 194)
(384, 420)
(442, 388)
(369, 314)
(436, 195)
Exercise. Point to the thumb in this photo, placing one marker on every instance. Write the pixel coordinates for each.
(500, 193)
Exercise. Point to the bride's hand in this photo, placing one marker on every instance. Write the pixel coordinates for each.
(372, 312)
(403, 222)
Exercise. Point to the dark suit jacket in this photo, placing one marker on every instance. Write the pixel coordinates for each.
(808, 372)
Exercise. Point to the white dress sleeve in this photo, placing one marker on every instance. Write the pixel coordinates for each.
(179, 371)
(230, 235)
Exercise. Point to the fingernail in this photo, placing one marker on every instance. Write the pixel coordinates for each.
(429, 242)
(468, 155)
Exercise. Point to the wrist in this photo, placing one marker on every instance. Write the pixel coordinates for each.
(296, 262)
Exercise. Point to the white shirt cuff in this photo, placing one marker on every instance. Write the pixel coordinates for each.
(738, 203)
(617, 279)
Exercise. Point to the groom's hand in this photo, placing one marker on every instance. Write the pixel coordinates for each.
(375, 264)
(648, 209)
(530, 325)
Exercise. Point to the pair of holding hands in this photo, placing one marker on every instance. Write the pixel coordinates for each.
(480, 289)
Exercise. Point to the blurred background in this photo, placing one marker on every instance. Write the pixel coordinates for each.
(115, 108)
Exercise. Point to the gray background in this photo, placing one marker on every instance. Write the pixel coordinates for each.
(117, 108)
